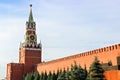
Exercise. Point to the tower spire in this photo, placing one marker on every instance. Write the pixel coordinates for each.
(30, 36)
(30, 15)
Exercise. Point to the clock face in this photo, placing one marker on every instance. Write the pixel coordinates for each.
(32, 37)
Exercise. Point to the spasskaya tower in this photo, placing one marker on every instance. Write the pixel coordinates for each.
(30, 50)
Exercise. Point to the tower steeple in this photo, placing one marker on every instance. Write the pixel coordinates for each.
(30, 15)
(30, 36)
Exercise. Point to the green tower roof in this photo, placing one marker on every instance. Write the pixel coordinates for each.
(30, 15)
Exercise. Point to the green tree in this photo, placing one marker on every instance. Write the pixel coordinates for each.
(29, 77)
(54, 76)
(61, 76)
(36, 76)
(41, 76)
(68, 75)
(77, 73)
(44, 76)
(58, 72)
(88, 76)
(96, 71)
(85, 73)
(50, 76)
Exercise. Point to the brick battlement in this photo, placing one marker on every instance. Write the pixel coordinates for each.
(96, 51)
(16, 64)
(25, 45)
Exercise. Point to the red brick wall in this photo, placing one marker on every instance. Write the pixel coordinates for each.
(14, 71)
(30, 56)
(28, 68)
(112, 75)
(103, 54)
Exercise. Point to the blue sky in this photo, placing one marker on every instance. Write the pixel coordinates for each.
(66, 27)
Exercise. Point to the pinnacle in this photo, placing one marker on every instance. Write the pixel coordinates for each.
(30, 15)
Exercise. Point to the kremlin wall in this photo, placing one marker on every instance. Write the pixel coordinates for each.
(105, 55)
(30, 57)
